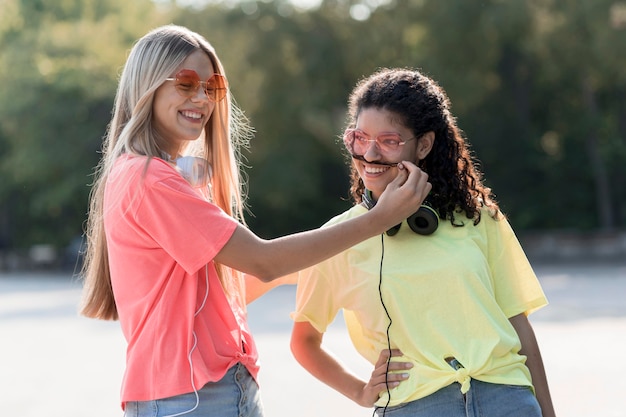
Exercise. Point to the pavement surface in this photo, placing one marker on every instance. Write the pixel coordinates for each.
(54, 363)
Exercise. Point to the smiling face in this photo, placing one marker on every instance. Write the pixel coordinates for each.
(179, 119)
(375, 122)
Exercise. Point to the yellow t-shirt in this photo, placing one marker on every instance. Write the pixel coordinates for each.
(449, 294)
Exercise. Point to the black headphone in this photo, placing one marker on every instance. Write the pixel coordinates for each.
(423, 222)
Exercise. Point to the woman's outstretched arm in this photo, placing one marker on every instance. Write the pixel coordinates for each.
(269, 259)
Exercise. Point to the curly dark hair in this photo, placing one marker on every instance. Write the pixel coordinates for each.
(423, 106)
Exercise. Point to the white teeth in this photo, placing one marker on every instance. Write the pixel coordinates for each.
(191, 114)
(375, 170)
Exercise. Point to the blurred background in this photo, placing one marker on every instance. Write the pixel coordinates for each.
(538, 86)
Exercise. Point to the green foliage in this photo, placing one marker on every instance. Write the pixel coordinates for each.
(537, 86)
(59, 66)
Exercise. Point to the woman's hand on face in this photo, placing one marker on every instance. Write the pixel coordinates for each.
(386, 375)
(404, 195)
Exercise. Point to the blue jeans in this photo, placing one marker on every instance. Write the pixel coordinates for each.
(235, 395)
(482, 400)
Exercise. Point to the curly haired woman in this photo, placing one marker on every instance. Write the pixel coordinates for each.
(439, 303)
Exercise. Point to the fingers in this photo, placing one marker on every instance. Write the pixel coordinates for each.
(413, 178)
(403, 195)
(388, 374)
(384, 362)
(385, 354)
(382, 380)
(413, 173)
(403, 174)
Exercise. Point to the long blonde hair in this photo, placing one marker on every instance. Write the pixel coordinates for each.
(152, 59)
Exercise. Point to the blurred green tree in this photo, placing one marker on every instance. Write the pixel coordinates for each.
(59, 66)
(538, 86)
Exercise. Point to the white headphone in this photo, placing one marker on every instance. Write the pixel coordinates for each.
(197, 171)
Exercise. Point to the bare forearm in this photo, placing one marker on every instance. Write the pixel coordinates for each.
(327, 369)
(282, 256)
(306, 345)
(296, 252)
(534, 362)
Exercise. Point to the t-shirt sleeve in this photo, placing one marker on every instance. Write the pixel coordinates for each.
(191, 229)
(321, 288)
(314, 298)
(517, 289)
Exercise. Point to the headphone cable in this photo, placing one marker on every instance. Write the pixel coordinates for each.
(380, 294)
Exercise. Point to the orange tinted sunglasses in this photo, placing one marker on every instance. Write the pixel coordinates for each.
(187, 83)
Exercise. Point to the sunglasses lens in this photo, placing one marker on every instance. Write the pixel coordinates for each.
(389, 143)
(216, 87)
(186, 85)
(348, 141)
(360, 142)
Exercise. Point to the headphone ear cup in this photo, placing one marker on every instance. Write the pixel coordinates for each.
(394, 230)
(424, 221)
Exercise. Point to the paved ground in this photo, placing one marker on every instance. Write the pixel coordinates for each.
(54, 363)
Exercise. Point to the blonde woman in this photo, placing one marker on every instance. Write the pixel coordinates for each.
(166, 234)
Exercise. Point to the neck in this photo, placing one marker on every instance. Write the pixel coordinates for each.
(168, 157)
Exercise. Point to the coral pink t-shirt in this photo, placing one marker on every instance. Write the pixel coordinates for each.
(162, 237)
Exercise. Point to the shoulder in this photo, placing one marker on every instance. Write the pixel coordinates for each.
(494, 219)
(150, 170)
(489, 218)
(497, 229)
(147, 165)
(139, 180)
(492, 216)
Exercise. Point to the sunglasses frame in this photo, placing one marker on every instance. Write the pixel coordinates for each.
(215, 88)
(350, 144)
